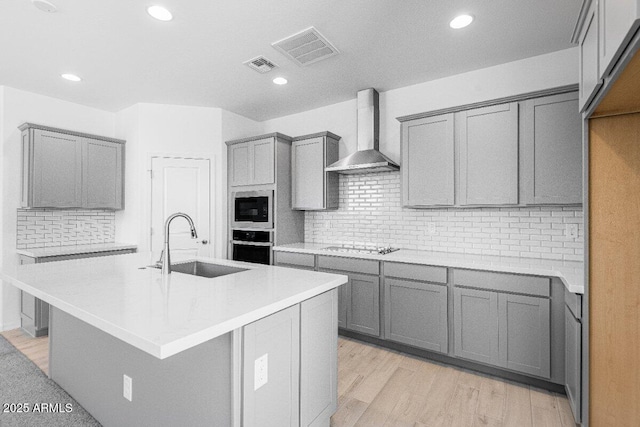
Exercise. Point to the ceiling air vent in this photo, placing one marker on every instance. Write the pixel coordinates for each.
(306, 47)
(260, 64)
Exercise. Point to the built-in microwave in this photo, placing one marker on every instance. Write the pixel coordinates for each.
(252, 209)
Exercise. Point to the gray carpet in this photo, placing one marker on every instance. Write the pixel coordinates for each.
(22, 382)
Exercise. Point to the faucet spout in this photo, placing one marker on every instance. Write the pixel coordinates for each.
(165, 257)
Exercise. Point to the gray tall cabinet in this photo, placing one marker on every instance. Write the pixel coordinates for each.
(67, 169)
(519, 153)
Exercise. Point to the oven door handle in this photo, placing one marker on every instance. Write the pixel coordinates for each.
(242, 242)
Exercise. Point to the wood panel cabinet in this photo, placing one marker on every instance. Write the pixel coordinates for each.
(551, 154)
(428, 165)
(488, 143)
(252, 162)
(65, 169)
(311, 187)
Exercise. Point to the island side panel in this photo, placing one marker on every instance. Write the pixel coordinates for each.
(192, 387)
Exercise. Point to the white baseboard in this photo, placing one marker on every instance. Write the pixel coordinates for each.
(9, 326)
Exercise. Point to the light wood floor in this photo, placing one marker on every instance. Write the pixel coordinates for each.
(380, 387)
(36, 349)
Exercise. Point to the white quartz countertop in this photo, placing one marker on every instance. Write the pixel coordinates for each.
(570, 272)
(74, 249)
(164, 317)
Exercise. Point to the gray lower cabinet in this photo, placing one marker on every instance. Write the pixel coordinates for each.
(34, 313)
(274, 344)
(552, 150)
(476, 325)
(496, 327)
(573, 362)
(363, 304)
(416, 313)
(525, 334)
(488, 144)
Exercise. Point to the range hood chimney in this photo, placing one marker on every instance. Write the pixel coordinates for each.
(367, 159)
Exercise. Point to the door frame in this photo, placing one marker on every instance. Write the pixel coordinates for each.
(146, 205)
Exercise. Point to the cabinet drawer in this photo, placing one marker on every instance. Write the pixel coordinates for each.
(531, 285)
(296, 259)
(424, 273)
(364, 266)
(574, 303)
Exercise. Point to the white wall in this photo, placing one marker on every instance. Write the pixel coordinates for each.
(513, 78)
(17, 107)
(174, 130)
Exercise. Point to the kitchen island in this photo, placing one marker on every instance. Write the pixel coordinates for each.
(255, 347)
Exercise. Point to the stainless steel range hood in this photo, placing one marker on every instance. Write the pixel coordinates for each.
(367, 158)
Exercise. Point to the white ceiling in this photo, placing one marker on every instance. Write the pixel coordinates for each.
(126, 57)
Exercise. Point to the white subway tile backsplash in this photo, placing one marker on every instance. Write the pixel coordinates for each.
(371, 212)
(50, 228)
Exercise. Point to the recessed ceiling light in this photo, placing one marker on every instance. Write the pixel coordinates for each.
(461, 21)
(44, 5)
(280, 81)
(71, 77)
(160, 13)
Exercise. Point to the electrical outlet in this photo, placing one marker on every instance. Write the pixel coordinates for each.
(571, 231)
(431, 228)
(261, 371)
(127, 388)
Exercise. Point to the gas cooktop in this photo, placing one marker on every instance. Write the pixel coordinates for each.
(379, 250)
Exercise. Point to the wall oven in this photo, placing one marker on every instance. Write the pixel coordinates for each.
(252, 209)
(252, 246)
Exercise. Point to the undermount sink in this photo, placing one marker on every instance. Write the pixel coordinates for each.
(205, 269)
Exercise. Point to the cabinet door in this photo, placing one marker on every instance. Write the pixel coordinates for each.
(552, 150)
(308, 175)
(318, 359)
(343, 302)
(416, 314)
(428, 161)
(261, 155)
(589, 80)
(363, 309)
(239, 164)
(488, 141)
(57, 170)
(525, 334)
(476, 325)
(616, 17)
(273, 343)
(573, 362)
(103, 169)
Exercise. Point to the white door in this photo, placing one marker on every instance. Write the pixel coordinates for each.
(180, 185)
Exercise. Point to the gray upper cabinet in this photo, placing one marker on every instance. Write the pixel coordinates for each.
(552, 150)
(476, 325)
(102, 174)
(488, 143)
(589, 78)
(65, 169)
(525, 334)
(311, 187)
(252, 162)
(616, 19)
(428, 161)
